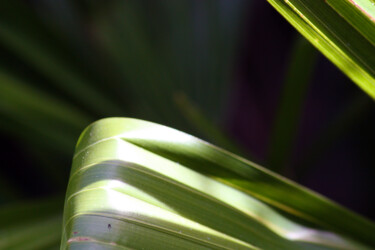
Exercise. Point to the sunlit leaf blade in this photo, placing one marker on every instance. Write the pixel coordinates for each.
(338, 40)
(136, 184)
(359, 13)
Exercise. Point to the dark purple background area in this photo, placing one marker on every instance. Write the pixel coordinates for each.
(344, 170)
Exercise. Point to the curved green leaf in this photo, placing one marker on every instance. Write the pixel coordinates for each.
(136, 184)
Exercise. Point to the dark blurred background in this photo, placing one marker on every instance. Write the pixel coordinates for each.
(234, 73)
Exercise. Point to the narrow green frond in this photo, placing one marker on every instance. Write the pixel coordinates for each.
(340, 42)
(290, 105)
(359, 13)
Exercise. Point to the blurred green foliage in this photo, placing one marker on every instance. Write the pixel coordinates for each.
(65, 64)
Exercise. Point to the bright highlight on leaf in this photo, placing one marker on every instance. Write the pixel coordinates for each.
(139, 185)
(342, 30)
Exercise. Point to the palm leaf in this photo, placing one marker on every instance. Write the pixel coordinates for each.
(136, 184)
(349, 45)
(359, 13)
